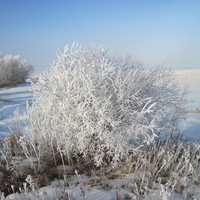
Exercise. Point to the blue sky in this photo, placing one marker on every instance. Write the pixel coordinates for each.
(34, 29)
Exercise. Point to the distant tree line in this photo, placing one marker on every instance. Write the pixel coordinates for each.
(13, 69)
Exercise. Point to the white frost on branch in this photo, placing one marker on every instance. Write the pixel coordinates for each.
(101, 108)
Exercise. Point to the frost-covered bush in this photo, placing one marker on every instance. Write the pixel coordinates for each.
(13, 69)
(98, 108)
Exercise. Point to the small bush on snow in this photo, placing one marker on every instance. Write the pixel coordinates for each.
(100, 109)
(14, 69)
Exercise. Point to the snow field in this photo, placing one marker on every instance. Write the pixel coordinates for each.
(16, 97)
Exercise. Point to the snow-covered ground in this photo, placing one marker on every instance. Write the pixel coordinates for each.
(14, 97)
(191, 79)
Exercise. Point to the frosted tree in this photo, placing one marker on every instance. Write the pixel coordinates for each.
(14, 69)
(99, 108)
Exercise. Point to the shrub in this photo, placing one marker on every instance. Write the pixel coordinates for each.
(92, 107)
(14, 69)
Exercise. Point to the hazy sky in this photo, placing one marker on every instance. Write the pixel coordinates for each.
(34, 29)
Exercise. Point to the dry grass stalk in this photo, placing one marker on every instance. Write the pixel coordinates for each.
(5, 100)
(197, 110)
(10, 83)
